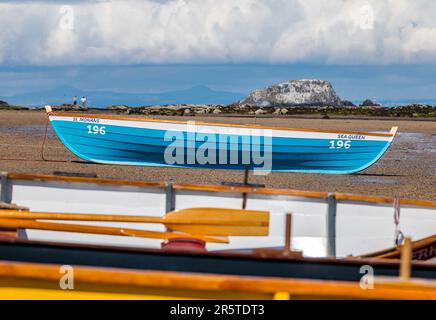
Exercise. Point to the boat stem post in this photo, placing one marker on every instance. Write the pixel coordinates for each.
(288, 234)
(406, 260)
(331, 227)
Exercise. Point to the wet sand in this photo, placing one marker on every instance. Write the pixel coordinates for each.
(407, 170)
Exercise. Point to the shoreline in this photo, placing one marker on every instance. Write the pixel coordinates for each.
(412, 111)
(406, 170)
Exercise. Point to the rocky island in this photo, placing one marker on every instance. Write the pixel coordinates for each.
(294, 93)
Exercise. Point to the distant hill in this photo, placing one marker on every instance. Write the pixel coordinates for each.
(100, 99)
(6, 106)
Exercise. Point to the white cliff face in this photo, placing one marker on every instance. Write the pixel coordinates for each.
(294, 93)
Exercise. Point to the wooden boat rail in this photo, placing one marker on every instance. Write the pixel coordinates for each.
(228, 189)
(61, 114)
(208, 284)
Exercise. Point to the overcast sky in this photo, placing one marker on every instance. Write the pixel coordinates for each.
(211, 31)
(366, 48)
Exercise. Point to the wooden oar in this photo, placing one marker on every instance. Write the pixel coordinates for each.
(207, 221)
(26, 224)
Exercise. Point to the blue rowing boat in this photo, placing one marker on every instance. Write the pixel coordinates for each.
(151, 142)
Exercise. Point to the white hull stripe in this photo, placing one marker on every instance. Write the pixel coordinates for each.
(221, 130)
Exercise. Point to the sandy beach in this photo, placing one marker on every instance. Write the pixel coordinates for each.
(407, 170)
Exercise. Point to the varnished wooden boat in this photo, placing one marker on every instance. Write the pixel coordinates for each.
(422, 249)
(42, 281)
(324, 224)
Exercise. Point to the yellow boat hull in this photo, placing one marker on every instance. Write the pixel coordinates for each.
(43, 281)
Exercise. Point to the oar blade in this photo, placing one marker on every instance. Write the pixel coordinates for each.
(220, 230)
(218, 216)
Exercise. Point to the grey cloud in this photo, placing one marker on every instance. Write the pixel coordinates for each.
(210, 31)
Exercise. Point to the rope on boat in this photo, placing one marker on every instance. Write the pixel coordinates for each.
(45, 138)
(41, 150)
(399, 236)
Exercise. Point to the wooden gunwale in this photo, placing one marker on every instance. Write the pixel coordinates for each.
(213, 282)
(143, 184)
(237, 189)
(380, 199)
(109, 117)
(230, 189)
(414, 202)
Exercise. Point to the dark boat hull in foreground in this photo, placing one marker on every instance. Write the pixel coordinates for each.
(210, 263)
